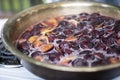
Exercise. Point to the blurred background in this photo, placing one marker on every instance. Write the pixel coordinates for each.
(9, 8)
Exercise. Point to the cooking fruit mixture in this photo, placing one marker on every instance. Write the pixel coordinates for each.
(73, 40)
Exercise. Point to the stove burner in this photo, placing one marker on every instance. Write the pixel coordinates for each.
(6, 57)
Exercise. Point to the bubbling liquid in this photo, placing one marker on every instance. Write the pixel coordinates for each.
(73, 40)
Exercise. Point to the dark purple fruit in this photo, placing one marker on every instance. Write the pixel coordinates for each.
(79, 62)
(37, 53)
(85, 52)
(54, 56)
(74, 40)
(89, 57)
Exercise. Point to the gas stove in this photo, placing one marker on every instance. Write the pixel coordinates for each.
(10, 67)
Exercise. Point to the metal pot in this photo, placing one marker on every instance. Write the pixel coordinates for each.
(17, 24)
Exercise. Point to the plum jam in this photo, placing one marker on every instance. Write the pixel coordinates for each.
(73, 40)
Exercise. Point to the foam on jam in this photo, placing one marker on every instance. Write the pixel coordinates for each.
(73, 40)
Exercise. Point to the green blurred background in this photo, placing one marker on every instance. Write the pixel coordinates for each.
(17, 5)
(11, 7)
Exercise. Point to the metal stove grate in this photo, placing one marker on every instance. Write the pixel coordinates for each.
(6, 57)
